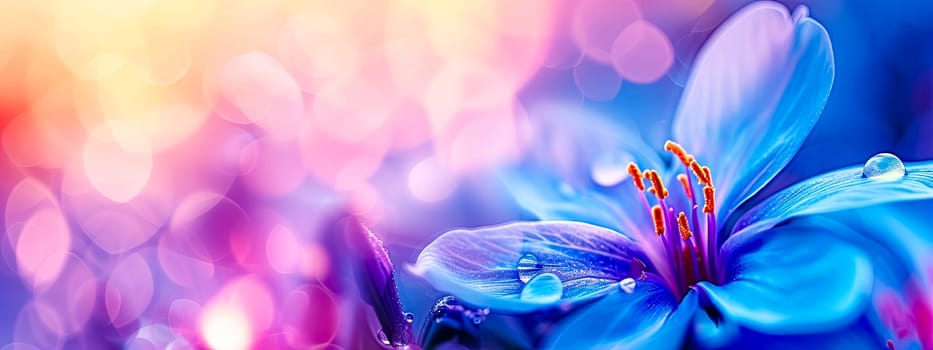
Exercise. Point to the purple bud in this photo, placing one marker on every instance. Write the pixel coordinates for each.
(375, 280)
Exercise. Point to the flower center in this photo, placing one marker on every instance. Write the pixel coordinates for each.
(687, 235)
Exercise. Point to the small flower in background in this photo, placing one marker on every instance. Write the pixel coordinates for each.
(689, 267)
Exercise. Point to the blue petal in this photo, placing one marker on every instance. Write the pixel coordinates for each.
(794, 279)
(549, 198)
(483, 266)
(835, 191)
(570, 140)
(858, 336)
(577, 170)
(756, 90)
(649, 318)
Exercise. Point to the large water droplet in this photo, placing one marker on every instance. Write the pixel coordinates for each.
(610, 168)
(627, 285)
(528, 267)
(544, 288)
(409, 317)
(884, 166)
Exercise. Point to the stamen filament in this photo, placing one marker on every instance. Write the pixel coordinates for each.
(701, 238)
(712, 245)
(676, 245)
(694, 262)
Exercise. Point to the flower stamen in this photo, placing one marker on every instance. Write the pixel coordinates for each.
(636, 176)
(685, 182)
(684, 226)
(657, 215)
(709, 195)
(698, 171)
(692, 248)
(656, 184)
(678, 151)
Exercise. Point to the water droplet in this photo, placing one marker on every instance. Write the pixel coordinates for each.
(477, 319)
(383, 338)
(528, 267)
(627, 285)
(409, 317)
(401, 340)
(884, 166)
(544, 289)
(610, 168)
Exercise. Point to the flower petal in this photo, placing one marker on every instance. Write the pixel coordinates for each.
(512, 267)
(549, 198)
(375, 279)
(649, 318)
(835, 191)
(577, 169)
(757, 88)
(585, 148)
(795, 279)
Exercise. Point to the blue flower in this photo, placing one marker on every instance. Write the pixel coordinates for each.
(659, 266)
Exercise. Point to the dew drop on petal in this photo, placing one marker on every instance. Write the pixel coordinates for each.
(544, 288)
(477, 319)
(627, 285)
(884, 166)
(409, 317)
(383, 338)
(528, 267)
(609, 169)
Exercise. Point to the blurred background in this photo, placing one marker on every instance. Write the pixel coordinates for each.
(171, 170)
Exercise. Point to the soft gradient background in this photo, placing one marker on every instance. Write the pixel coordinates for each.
(170, 169)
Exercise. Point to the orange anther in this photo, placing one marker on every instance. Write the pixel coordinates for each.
(684, 227)
(636, 176)
(709, 193)
(678, 151)
(698, 171)
(655, 179)
(683, 182)
(658, 216)
(709, 178)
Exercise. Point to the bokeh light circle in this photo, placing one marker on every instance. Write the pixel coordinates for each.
(642, 53)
